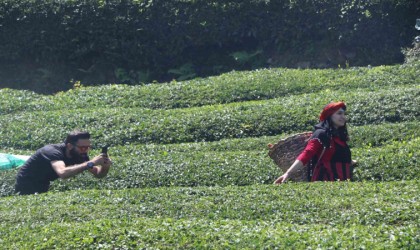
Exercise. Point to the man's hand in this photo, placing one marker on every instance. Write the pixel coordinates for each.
(99, 160)
(102, 165)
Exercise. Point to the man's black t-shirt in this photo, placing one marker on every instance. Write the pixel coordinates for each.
(37, 172)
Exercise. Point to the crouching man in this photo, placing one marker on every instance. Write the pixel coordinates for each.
(63, 161)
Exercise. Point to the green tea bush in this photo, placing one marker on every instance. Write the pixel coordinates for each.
(226, 88)
(196, 174)
(380, 135)
(324, 215)
(13, 101)
(396, 161)
(384, 155)
(121, 126)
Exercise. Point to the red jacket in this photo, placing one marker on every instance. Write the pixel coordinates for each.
(335, 163)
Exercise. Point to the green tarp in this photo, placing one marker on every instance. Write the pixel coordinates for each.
(8, 161)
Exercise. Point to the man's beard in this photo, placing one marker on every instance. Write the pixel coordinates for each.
(79, 158)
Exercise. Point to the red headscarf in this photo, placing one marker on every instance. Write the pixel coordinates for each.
(331, 109)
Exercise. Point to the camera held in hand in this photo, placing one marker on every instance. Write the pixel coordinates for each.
(105, 150)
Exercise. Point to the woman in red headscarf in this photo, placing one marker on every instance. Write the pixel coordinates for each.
(327, 152)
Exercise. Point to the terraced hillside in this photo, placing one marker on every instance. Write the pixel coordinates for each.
(191, 168)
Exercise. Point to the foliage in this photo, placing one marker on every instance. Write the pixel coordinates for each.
(382, 154)
(318, 215)
(226, 88)
(133, 41)
(121, 126)
(191, 168)
(412, 55)
(185, 72)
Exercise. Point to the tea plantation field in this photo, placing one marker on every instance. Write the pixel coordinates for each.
(191, 169)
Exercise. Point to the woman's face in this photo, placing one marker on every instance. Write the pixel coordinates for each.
(339, 118)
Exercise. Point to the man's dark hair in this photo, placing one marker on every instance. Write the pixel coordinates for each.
(74, 136)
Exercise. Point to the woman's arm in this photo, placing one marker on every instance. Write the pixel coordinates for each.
(313, 147)
(297, 165)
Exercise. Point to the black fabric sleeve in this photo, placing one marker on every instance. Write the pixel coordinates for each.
(52, 154)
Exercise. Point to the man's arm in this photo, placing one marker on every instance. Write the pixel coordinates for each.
(66, 172)
(100, 170)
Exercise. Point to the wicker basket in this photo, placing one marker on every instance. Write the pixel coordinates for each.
(285, 152)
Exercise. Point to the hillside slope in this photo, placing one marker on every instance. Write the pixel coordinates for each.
(191, 168)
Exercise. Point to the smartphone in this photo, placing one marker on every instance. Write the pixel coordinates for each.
(105, 150)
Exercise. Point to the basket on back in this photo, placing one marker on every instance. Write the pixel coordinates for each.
(285, 152)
